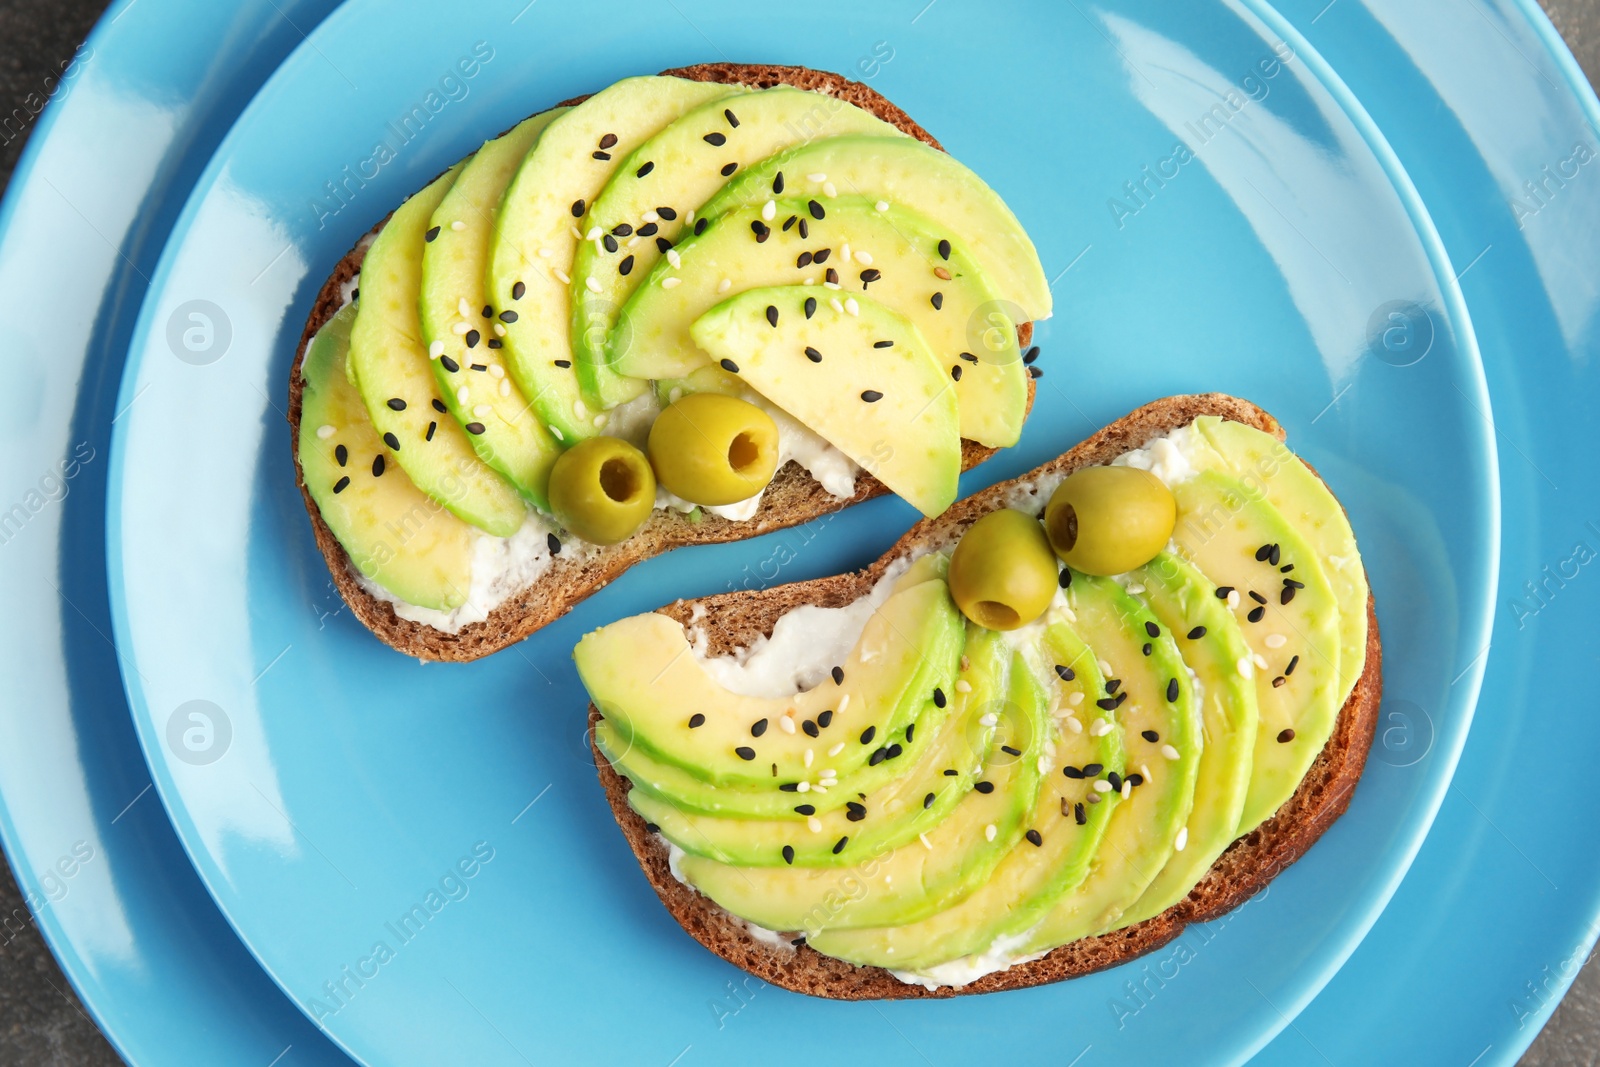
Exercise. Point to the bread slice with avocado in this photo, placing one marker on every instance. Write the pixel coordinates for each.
(872, 846)
(474, 415)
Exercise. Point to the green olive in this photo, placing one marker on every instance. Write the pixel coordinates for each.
(1003, 573)
(1110, 520)
(602, 490)
(714, 449)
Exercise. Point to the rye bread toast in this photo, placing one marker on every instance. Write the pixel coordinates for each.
(733, 620)
(792, 498)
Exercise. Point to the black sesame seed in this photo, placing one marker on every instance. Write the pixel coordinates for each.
(1072, 772)
(1064, 578)
(1197, 633)
(608, 141)
(338, 486)
(1035, 372)
(729, 169)
(472, 338)
(816, 210)
(700, 226)
(1279, 682)
(438, 405)
(396, 404)
(804, 230)
(944, 249)
(1092, 770)
(1224, 591)
(1010, 751)
(1291, 582)
(1030, 355)
(1148, 648)
(646, 169)
(667, 213)
(728, 365)
(610, 243)
(955, 372)
(883, 344)
(983, 787)
(871, 396)
(733, 120)
(839, 847)
(577, 209)
(715, 139)
(626, 266)
(377, 465)
(805, 809)
(822, 254)
(810, 728)
(772, 315)
(1150, 736)
(1286, 568)
(341, 454)
(1078, 814)
(1065, 673)
(488, 311)
(652, 827)
(696, 720)
(969, 357)
(831, 276)
(951, 773)
(855, 813)
(910, 732)
(870, 275)
(478, 366)
(790, 787)
(1294, 661)
(601, 155)
(517, 291)
(1285, 736)
(1257, 597)
(811, 306)
(788, 857)
(554, 544)
(1152, 629)
(1135, 780)
(937, 300)
(758, 727)
(1106, 703)
(1263, 552)
(432, 426)
(562, 363)
(1114, 780)
(927, 801)
(825, 720)
(877, 757)
(1287, 594)
(868, 734)
(431, 234)
(1256, 614)
(1172, 689)
(1112, 685)
(663, 245)
(788, 223)
(392, 441)
(745, 752)
(1035, 838)
(938, 698)
(475, 427)
(802, 261)
(838, 675)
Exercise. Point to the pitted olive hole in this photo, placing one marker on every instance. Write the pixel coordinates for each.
(1062, 526)
(743, 452)
(618, 480)
(994, 615)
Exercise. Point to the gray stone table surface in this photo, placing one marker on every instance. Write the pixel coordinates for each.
(42, 1022)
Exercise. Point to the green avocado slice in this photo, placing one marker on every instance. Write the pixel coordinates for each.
(464, 342)
(856, 372)
(906, 173)
(1208, 635)
(1037, 870)
(394, 533)
(859, 246)
(1257, 458)
(943, 864)
(1292, 629)
(389, 365)
(1163, 742)
(537, 234)
(680, 168)
(657, 697)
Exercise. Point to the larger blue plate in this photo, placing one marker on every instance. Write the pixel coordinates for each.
(115, 153)
(1289, 262)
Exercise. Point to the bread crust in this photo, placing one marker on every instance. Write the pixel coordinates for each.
(792, 498)
(737, 619)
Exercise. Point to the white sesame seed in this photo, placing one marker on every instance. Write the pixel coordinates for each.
(458, 225)
(462, 396)
(1075, 697)
(1245, 667)
(844, 251)
(833, 302)
(464, 307)
(808, 757)
(631, 242)
(844, 702)
(1127, 789)
(1169, 752)
(814, 825)
(864, 258)
(481, 410)
(829, 190)
(836, 749)
(822, 787)
(565, 280)
(1105, 668)
(499, 329)
(989, 832)
(1259, 660)
(325, 432)
(988, 720)
(650, 216)
(809, 281)
(688, 218)
(1073, 724)
(818, 177)
(460, 329)
(923, 837)
(594, 234)
(882, 205)
(505, 387)
(674, 259)
(769, 210)
(724, 285)
(1100, 728)
(545, 253)
(1043, 764)
(577, 234)
(832, 285)
(671, 283)
(1183, 839)
(1233, 599)
(436, 350)
(1276, 640)
(594, 286)
(1144, 769)
(963, 686)
(1102, 786)
(555, 432)
(600, 421)
(852, 307)
(803, 787)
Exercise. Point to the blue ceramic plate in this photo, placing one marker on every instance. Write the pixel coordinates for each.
(128, 130)
(1502, 906)
(1289, 261)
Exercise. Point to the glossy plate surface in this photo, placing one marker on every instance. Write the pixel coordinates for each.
(1288, 261)
(105, 173)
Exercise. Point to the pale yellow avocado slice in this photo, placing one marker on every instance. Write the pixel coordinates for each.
(538, 231)
(680, 168)
(389, 365)
(656, 695)
(463, 341)
(939, 866)
(394, 533)
(857, 373)
(1069, 817)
